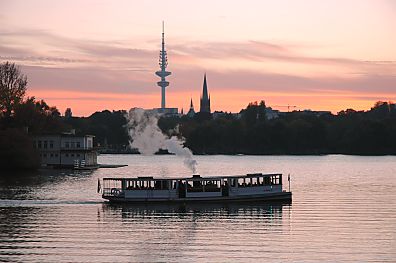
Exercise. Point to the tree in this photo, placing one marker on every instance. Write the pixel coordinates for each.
(12, 87)
(16, 151)
(254, 113)
(37, 116)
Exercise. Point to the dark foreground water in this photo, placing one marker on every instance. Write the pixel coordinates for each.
(343, 210)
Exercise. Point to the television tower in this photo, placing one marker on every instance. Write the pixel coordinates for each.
(162, 73)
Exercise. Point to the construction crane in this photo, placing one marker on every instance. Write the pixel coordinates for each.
(285, 106)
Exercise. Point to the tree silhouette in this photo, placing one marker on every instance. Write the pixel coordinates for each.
(12, 87)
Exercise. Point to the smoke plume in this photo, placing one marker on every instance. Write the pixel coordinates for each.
(148, 138)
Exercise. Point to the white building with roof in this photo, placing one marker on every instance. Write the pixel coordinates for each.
(66, 150)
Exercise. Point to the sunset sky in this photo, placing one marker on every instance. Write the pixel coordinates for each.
(96, 55)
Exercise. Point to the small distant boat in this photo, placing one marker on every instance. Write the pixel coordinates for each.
(249, 187)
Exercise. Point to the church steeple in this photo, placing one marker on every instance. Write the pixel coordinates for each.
(205, 99)
(191, 112)
(205, 89)
(191, 105)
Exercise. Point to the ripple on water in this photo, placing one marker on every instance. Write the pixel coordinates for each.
(343, 210)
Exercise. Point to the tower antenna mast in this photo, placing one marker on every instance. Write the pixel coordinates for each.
(162, 73)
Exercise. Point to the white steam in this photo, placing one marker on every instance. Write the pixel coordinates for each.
(148, 138)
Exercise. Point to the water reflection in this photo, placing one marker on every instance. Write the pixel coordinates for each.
(182, 232)
(252, 209)
(25, 185)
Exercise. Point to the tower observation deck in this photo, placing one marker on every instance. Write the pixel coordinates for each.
(162, 73)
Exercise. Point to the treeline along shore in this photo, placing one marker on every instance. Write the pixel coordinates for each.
(251, 131)
(370, 132)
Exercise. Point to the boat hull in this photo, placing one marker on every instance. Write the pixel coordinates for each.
(280, 196)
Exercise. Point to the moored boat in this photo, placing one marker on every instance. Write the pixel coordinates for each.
(250, 187)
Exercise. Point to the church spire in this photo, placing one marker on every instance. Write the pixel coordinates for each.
(191, 104)
(191, 112)
(205, 89)
(205, 100)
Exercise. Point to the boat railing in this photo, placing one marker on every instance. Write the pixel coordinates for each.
(117, 186)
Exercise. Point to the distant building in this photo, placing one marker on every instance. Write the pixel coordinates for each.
(315, 113)
(205, 99)
(68, 113)
(218, 114)
(271, 114)
(65, 150)
(191, 112)
(168, 112)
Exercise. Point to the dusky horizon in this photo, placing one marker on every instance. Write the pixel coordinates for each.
(94, 55)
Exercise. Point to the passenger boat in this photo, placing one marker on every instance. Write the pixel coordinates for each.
(249, 187)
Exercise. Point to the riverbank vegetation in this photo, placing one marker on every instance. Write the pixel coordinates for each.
(349, 132)
(371, 132)
(20, 117)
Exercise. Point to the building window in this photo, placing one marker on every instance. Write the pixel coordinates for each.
(78, 144)
(39, 144)
(67, 145)
(45, 144)
(44, 155)
(51, 144)
(78, 155)
(67, 155)
(72, 155)
(52, 155)
(56, 155)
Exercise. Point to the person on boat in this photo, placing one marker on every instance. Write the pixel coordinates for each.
(182, 189)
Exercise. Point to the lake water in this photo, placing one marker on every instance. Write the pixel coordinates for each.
(344, 209)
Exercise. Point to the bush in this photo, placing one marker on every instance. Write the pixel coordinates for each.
(16, 151)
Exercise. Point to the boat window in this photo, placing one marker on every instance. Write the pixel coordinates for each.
(140, 184)
(275, 179)
(196, 186)
(242, 182)
(259, 180)
(130, 185)
(234, 182)
(212, 186)
(161, 185)
(267, 180)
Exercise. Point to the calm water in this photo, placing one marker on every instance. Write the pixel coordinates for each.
(344, 209)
